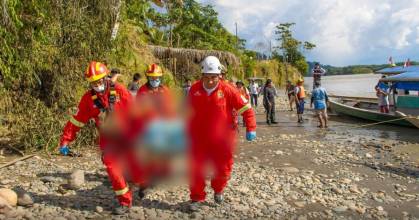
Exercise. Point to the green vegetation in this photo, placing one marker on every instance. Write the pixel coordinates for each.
(45, 47)
(355, 69)
(292, 48)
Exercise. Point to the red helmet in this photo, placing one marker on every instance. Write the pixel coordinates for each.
(96, 71)
(154, 70)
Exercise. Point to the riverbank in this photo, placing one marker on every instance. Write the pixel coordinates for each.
(293, 171)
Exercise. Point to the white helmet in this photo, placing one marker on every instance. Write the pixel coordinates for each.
(211, 65)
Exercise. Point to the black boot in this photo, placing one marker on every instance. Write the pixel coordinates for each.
(218, 198)
(142, 192)
(194, 206)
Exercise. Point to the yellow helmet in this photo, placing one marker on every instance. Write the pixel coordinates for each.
(154, 70)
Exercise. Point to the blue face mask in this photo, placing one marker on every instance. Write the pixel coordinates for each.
(155, 83)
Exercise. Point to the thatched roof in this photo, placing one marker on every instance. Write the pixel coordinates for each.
(193, 55)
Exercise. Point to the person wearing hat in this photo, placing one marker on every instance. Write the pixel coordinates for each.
(300, 95)
(269, 93)
(102, 102)
(212, 130)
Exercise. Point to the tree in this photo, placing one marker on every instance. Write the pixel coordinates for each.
(291, 47)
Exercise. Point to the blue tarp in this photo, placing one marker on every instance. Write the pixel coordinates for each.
(405, 77)
(406, 81)
(398, 69)
(411, 86)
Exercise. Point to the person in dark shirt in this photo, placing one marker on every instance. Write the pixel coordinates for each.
(317, 73)
(134, 86)
(269, 102)
(291, 94)
(187, 87)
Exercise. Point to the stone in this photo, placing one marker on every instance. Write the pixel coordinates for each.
(243, 189)
(134, 215)
(278, 152)
(289, 169)
(5, 182)
(360, 210)
(76, 180)
(346, 181)
(49, 179)
(24, 199)
(151, 213)
(99, 209)
(354, 189)
(300, 204)
(337, 190)
(9, 195)
(340, 209)
(368, 155)
(4, 206)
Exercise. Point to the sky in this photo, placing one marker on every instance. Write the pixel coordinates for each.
(346, 32)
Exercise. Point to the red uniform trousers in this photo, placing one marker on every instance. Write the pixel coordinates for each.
(119, 164)
(216, 153)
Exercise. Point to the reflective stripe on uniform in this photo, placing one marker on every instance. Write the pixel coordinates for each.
(244, 108)
(122, 191)
(75, 122)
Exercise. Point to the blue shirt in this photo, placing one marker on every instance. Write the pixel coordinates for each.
(319, 95)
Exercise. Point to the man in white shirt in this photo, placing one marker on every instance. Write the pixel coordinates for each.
(254, 93)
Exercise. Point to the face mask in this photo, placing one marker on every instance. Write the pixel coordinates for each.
(100, 88)
(154, 83)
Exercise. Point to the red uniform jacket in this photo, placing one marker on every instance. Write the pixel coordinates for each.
(88, 110)
(159, 101)
(212, 115)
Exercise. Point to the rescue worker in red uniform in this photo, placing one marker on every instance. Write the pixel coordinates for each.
(159, 95)
(104, 99)
(212, 130)
(156, 103)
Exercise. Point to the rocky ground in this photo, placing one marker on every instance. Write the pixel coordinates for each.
(290, 172)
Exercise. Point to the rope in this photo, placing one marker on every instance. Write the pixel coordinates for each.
(375, 123)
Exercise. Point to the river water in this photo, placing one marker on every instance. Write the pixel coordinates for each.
(360, 85)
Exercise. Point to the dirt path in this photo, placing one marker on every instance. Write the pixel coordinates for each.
(292, 171)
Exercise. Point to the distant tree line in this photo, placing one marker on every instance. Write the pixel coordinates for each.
(355, 69)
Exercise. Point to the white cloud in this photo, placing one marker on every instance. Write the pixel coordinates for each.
(345, 31)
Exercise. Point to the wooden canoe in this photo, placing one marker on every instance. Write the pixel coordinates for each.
(365, 109)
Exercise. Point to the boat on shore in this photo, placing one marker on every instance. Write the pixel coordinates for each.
(405, 111)
(366, 108)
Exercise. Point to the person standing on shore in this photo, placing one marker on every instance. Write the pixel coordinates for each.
(319, 98)
(212, 131)
(383, 90)
(269, 94)
(299, 99)
(254, 93)
(317, 74)
(291, 94)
